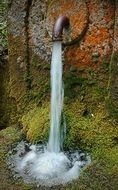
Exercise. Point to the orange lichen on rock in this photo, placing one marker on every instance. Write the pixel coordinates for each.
(97, 36)
(75, 10)
(91, 25)
(75, 30)
(97, 42)
(66, 5)
(78, 57)
(92, 5)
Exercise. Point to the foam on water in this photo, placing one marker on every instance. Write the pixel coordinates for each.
(46, 168)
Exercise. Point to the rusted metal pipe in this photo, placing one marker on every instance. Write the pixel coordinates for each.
(61, 23)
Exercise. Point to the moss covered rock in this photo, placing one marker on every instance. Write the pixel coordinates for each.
(36, 123)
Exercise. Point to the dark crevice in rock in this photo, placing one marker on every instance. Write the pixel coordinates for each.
(27, 37)
(7, 104)
(10, 3)
(3, 98)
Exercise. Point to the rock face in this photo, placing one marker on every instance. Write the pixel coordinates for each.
(97, 42)
(93, 34)
(17, 36)
(90, 53)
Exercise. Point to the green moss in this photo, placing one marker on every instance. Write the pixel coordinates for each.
(73, 82)
(96, 129)
(95, 133)
(7, 104)
(35, 123)
(40, 75)
(97, 178)
(98, 93)
(73, 69)
(105, 63)
(9, 138)
(114, 60)
(111, 99)
(112, 108)
(10, 135)
(28, 81)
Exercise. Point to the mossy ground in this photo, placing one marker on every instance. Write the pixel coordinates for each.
(95, 134)
(90, 126)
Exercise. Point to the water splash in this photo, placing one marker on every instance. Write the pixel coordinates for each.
(57, 94)
(46, 168)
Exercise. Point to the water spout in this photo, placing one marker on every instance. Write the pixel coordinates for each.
(61, 23)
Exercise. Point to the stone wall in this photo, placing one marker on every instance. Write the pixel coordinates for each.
(92, 44)
(17, 45)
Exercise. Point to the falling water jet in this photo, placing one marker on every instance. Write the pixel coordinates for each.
(57, 91)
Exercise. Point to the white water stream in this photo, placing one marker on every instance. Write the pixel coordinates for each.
(56, 98)
(47, 165)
